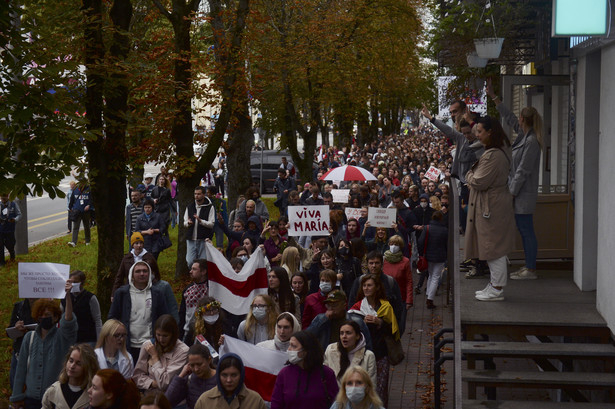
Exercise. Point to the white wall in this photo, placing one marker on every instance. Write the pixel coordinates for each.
(606, 200)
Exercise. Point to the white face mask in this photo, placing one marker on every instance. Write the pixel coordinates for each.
(394, 249)
(259, 313)
(325, 286)
(355, 394)
(423, 205)
(211, 319)
(293, 357)
(244, 258)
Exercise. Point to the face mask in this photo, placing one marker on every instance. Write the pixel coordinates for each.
(211, 319)
(404, 173)
(244, 258)
(325, 286)
(394, 249)
(46, 323)
(293, 357)
(412, 172)
(355, 394)
(423, 205)
(344, 251)
(259, 313)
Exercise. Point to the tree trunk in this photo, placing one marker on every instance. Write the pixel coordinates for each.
(238, 155)
(107, 153)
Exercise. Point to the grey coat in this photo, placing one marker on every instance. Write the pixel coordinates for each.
(490, 229)
(466, 153)
(525, 169)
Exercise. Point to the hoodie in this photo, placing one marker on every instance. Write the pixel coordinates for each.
(141, 311)
(242, 376)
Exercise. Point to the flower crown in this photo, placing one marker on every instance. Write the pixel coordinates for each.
(214, 305)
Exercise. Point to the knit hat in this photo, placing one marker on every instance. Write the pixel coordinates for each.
(136, 236)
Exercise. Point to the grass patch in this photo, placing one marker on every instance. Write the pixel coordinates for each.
(82, 258)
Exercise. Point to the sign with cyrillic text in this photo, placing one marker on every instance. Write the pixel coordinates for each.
(379, 217)
(42, 280)
(353, 213)
(433, 173)
(308, 220)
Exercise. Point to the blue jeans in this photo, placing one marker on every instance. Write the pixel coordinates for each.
(194, 249)
(525, 225)
(219, 235)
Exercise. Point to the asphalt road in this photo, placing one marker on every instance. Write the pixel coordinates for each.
(47, 218)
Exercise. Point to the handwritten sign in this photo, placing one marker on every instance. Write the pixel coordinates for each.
(433, 174)
(340, 195)
(308, 220)
(42, 280)
(352, 213)
(379, 217)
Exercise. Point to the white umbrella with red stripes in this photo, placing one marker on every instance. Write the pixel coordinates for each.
(348, 172)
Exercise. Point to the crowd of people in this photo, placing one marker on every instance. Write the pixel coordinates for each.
(335, 304)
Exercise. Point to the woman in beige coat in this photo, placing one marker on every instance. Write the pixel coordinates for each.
(490, 227)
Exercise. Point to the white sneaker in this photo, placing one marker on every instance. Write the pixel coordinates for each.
(516, 273)
(526, 274)
(70, 243)
(483, 290)
(490, 294)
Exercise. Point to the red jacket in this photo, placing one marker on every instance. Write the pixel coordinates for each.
(314, 305)
(402, 273)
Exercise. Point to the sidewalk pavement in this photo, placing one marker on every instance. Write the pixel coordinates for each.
(411, 382)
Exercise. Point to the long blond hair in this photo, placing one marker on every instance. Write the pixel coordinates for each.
(109, 328)
(289, 260)
(533, 119)
(272, 315)
(370, 391)
(89, 363)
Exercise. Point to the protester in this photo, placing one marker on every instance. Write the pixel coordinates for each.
(274, 244)
(306, 383)
(197, 377)
(315, 303)
(110, 390)
(209, 323)
(397, 266)
(435, 237)
(199, 218)
(161, 359)
(70, 391)
(286, 325)
(259, 324)
(299, 284)
(137, 253)
(152, 228)
(111, 348)
(80, 206)
(155, 400)
(161, 194)
(191, 296)
(86, 308)
(20, 317)
(43, 350)
(348, 268)
(350, 349)
(291, 261)
(490, 215)
(357, 391)
(231, 391)
(380, 319)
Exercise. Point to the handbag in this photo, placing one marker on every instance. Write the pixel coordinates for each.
(395, 353)
(164, 242)
(422, 264)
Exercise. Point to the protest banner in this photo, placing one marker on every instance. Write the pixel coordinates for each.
(42, 280)
(340, 195)
(379, 217)
(352, 213)
(433, 174)
(308, 220)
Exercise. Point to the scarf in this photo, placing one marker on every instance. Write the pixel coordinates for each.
(393, 258)
(385, 312)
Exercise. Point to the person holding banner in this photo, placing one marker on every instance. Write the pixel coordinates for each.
(259, 324)
(209, 322)
(231, 391)
(42, 351)
(306, 383)
(286, 325)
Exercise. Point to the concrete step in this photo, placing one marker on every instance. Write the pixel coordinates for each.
(550, 350)
(494, 404)
(547, 380)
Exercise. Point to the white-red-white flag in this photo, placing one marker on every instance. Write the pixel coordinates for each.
(235, 291)
(262, 365)
(321, 155)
